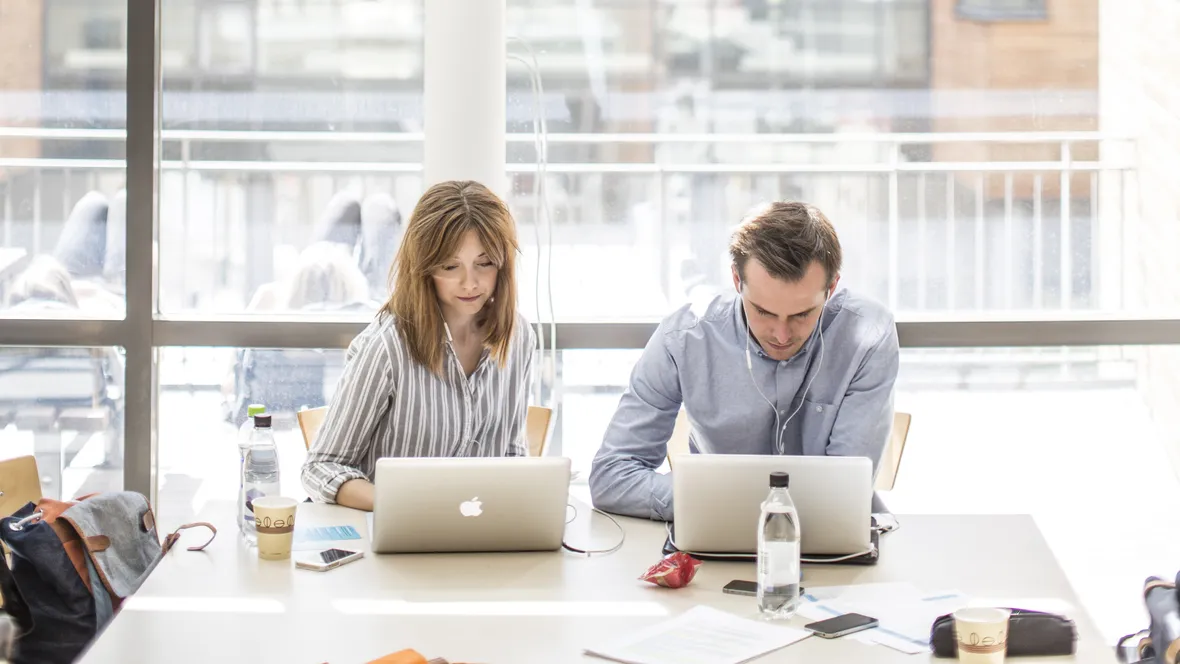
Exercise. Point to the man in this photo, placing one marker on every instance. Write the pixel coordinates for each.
(785, 365)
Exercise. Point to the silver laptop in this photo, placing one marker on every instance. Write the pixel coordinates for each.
(442, 505)
(717, 500)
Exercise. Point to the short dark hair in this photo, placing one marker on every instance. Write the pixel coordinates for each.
(786, 237)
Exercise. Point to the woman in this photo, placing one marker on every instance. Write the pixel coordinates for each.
(445, 369)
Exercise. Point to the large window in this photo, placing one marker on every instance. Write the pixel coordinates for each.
(62, 167)
(62, 228)
(1021, 221)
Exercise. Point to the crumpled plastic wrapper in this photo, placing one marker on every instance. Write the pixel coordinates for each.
(674, 571)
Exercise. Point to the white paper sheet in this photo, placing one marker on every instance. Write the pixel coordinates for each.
(904, 612)
(702, 635)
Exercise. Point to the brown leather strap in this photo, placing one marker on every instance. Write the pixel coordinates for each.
(98, 543)
(175, 535)
(51, 509)
(1172, 654)
(1157, 583)
(71, 543)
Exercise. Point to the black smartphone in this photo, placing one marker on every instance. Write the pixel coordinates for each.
(840, 625)
(739, 587)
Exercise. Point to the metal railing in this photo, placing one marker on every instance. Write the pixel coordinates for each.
(923, 233)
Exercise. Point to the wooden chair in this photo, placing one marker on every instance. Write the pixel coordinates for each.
(20, 483)
(537, 429)
(536, 425)
(891, 457)
(310, 421)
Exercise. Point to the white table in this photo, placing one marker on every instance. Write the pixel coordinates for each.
(225, 605)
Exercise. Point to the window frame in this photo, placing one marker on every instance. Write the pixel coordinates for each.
(144, 330)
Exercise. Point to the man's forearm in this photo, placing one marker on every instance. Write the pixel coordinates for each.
(627, 487)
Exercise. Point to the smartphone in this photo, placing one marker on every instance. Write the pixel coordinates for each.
(840, 625)
(322, 561)
(739, 587)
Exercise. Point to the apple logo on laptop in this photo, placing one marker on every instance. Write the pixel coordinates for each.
(471, 507)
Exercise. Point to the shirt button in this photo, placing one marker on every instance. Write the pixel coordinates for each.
(819, 409)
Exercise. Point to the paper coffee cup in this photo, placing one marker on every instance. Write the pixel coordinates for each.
(982, 635)
(274, 522)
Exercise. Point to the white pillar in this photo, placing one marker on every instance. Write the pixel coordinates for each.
(465, 98)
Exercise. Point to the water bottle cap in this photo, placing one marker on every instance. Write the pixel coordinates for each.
(262, 421)
(779, 480)
(255, 409)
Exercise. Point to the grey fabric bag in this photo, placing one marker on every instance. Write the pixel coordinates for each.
(122, 544)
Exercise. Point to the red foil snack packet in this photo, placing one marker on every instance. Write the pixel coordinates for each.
(674, 571)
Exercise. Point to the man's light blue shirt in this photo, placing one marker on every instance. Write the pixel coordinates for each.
(697, 358)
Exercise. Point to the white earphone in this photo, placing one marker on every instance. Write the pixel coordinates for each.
(819, 326)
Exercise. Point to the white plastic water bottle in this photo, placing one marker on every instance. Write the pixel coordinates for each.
(778, 552)
(260, 472)
(244, 432)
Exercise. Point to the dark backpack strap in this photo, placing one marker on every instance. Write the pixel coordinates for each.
(14, 602)
(175, 535)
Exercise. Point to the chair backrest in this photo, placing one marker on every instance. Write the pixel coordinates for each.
(537, 429)
(310, 421)
(536, 425)
(20, 483)
(891, 457)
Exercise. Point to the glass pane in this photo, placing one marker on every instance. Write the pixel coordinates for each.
(204, 393)
(308, 220)
(937, 154)
(997, 431)
(64, 406)
(62, 161)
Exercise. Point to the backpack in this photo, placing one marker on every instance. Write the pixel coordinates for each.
(72, 565)
(1160, 642)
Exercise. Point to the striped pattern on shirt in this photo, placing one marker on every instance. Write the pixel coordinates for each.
(388, 405)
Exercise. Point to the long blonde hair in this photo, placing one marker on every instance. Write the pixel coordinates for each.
(435, 231)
